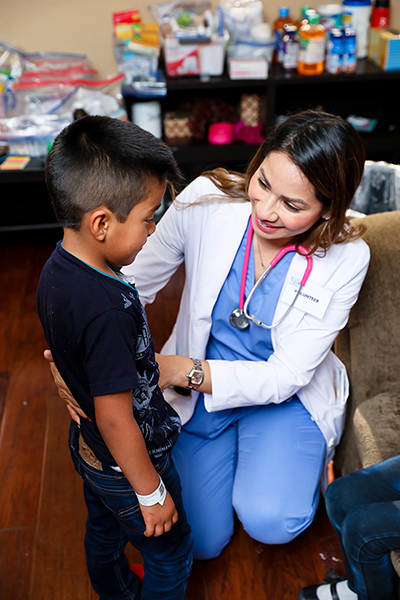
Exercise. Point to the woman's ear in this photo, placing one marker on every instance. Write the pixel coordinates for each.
(99, 222)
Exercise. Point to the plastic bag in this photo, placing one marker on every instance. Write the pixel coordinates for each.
(57, 65)
(240, 16)
(32, 135)
(48, 96)
(12, 62)
(379, 190)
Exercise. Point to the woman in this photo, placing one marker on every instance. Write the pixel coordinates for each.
(267, 406)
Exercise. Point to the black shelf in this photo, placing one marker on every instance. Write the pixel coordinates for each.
(369, 92)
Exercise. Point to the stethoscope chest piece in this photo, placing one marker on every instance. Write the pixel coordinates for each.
(238, 319)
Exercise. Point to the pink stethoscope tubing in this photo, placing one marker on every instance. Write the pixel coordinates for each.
(291, 248)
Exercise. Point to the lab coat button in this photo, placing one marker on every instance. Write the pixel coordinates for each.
(331, 443)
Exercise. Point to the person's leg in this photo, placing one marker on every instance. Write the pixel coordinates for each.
(105, 543)
(114, 518)
(364, 508)
(281, 452)
(206, 469)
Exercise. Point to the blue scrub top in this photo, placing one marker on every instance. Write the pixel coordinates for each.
(254, 343)
(228, 343)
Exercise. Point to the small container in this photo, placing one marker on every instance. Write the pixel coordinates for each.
(349, 63)
(330, 15)
(347, 19)
(380, 16)
(312, 46)
(283, 18)
(290, 47)
(361, 11)
(220, 133)
(334, 54)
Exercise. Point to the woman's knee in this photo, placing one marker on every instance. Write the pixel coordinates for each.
(271, 524)
(209, 546)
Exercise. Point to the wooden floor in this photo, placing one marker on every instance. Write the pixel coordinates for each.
(42, 513)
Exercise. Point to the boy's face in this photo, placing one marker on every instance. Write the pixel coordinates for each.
(127, 239)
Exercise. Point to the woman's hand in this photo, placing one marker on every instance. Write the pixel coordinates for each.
(174, 368)
(72, 406)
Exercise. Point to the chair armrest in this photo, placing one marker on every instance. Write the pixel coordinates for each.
(376, 424)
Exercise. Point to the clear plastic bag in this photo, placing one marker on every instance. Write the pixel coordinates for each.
(31, 135)
(12, 61)
(379, 190)
(47, 96)
(240, 16)
(56, 65)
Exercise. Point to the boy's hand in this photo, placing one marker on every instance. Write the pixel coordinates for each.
(159, 519)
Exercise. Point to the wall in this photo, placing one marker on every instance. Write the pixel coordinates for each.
(85, 26)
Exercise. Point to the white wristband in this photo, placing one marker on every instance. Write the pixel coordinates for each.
(157, 497)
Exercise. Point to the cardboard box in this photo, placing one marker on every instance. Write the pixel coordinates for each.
(253, 109)
(176, 125)
(384, 47)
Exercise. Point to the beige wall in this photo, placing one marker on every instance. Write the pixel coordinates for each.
(85, 26)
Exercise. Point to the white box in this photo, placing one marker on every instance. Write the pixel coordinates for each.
(195, 59)
(248, 68)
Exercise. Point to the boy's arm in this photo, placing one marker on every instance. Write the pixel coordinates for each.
(121, 433)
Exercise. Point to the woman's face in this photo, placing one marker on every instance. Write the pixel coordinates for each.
(284, 201)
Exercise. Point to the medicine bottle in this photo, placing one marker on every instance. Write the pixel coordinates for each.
(303, 19)
(380, 16)
(283, 19)
(312, 46)
(290, 47)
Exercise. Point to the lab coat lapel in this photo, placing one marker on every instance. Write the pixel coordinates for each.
(222, 236)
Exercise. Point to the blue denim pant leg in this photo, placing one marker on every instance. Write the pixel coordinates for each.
(364, 509)
(114, 519)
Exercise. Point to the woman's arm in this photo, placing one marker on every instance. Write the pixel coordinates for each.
(173, 371)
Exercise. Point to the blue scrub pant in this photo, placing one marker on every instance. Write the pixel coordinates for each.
(264, 463)
(364, 509)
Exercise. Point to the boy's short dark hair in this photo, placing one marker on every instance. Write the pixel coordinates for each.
(100, 161)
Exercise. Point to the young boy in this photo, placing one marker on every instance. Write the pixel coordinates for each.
(106, 179)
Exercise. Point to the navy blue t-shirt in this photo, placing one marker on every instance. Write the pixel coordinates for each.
(98, 334)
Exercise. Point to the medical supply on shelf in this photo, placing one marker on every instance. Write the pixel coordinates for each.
(334, 52)
(290, 47)
(380, 16)
(312, 46)
(361, 12)
(284, 18)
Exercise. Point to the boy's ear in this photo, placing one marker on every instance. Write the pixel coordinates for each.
(99, 222)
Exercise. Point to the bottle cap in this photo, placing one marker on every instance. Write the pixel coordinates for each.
(284, 11)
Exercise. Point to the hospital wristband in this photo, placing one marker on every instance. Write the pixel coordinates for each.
(156, 497)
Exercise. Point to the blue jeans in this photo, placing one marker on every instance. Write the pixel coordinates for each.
(364, 509)
(114, 519)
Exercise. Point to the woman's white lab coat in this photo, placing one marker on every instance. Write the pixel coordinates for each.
(207, 236)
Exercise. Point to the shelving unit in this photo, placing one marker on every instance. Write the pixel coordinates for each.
(368, 92)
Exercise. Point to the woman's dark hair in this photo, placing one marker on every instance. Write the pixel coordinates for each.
(331, 155)
(100, 161)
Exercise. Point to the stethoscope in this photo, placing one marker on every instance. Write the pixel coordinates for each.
(239, 317)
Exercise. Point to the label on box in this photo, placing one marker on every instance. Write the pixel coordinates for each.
(240, 68)
(182, 60)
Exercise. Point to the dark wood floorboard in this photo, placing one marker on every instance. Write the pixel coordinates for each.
(42, 512)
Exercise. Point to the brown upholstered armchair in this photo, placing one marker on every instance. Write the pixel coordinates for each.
(370, 348)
